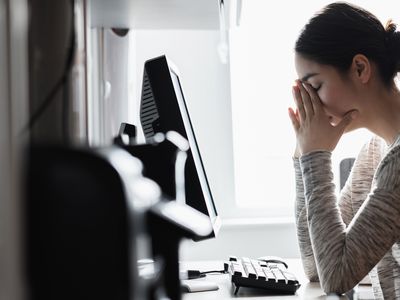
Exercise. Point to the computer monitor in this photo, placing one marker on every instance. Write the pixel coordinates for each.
(163, 108)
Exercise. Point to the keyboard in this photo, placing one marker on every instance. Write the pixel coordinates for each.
(270, 275)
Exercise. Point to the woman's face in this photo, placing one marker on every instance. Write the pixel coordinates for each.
(336, 93)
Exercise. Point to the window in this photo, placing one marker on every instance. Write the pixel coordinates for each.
(262, 73)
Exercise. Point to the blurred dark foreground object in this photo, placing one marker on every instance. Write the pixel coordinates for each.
(78, 224)
(88, 211)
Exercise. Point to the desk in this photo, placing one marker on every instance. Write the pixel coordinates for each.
(308, 290)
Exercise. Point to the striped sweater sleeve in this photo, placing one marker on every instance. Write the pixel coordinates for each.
(346, 206)
(303, 236)
(345, 254)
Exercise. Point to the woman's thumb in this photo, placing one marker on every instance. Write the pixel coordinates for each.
(347, 119)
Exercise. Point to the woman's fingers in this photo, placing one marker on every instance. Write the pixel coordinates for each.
(315, 100)
(306, 99)
(293, 117)
(299, 103)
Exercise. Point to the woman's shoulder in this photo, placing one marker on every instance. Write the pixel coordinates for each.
(392, 152)
(373, 150)
(389, 168)
(392, 156)
(376, 145)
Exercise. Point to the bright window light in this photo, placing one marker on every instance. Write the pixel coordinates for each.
(262, 74)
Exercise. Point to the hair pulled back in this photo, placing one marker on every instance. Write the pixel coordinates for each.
(341, 30)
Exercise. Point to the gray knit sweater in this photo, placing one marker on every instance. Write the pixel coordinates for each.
(342, 240)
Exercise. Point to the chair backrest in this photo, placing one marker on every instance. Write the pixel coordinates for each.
(345, 168)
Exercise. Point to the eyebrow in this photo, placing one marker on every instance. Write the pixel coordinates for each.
(308, 76)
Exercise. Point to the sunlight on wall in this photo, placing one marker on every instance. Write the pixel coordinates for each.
(262, 70)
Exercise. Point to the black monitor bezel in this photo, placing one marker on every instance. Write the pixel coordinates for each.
(159, 71)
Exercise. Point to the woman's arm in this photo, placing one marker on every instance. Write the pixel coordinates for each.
(344, 255)
(303, 236)
(357, 184)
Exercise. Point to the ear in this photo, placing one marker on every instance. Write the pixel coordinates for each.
(361, 68)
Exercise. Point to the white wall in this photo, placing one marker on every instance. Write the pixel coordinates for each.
(112, 100)
(251, 240)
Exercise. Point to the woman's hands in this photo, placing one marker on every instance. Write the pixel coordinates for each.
(311, 124)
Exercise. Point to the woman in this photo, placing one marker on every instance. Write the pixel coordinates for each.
(347, 62)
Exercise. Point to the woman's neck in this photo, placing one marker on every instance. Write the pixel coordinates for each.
(384, 115)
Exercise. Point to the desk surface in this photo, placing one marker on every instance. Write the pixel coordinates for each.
(307, 290)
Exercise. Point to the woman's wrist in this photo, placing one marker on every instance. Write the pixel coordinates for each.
(296, 153)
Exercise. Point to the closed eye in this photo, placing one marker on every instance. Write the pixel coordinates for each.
(317, 88)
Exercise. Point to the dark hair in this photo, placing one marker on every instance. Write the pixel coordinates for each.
(341, 30)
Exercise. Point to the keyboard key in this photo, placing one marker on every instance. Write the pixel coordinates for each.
(237, 269)
(268, 274)
(258, 269)
(262, 263)
(246, 260)
(278, 275)
(248, 267)
(291, 279)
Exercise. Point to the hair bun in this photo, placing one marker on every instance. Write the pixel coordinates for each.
(392, 36)
(390, 27)
(392, 41)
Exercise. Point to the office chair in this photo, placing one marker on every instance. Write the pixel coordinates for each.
(345, 167)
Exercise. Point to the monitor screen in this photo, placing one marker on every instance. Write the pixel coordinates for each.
(163, 108)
